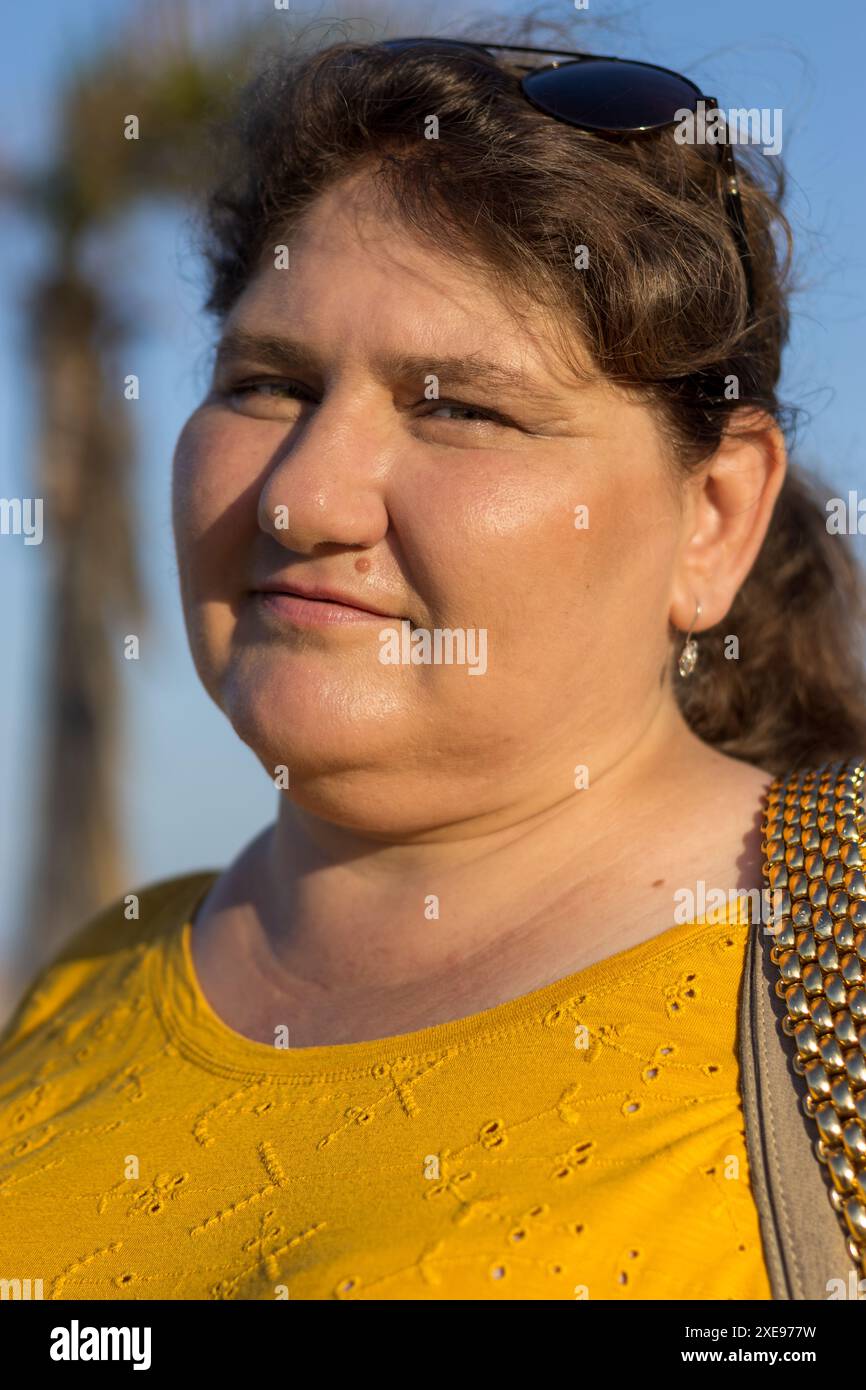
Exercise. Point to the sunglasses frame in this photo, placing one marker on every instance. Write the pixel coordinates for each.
(724, 148)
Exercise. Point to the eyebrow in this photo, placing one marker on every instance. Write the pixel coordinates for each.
(472, 369)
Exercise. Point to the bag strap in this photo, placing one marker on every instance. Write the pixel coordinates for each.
(803, 1025)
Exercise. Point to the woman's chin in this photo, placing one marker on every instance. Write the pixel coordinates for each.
(342, 778)
(310, 736)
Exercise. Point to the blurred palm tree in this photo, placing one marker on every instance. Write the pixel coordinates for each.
(174, 67)
(173, 70)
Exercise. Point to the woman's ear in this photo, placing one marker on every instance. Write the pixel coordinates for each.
(728, 507)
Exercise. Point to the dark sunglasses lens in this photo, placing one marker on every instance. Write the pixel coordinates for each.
(600, 95)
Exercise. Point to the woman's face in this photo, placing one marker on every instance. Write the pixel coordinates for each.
(521, 503)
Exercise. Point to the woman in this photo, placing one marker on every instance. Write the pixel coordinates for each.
(491, 441)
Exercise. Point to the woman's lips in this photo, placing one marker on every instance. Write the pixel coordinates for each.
(296, 611)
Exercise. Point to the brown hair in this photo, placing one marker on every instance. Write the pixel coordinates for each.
(661, 308)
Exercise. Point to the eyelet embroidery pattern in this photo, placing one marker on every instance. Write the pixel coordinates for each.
(595, 1145)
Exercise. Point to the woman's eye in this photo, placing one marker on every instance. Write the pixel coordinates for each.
(254, 388)
(275, 390)
(488, 417)
(267, 398)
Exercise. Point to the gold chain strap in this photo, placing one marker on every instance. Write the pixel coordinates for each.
(813, 835)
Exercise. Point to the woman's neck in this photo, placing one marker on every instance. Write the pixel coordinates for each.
(352, 911)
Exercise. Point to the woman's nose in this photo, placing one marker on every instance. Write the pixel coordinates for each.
(328, 484)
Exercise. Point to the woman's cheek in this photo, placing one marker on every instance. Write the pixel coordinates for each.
(198, 467)
(187, 477)
(209, 485)
(521, 526)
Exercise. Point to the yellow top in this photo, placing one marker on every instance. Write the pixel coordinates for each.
(583, 1141)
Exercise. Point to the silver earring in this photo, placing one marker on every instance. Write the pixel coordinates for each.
(689, 654)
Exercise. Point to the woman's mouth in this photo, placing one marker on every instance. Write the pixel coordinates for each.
(304, 610)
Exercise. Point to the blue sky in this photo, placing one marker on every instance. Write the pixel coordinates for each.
(193, 793)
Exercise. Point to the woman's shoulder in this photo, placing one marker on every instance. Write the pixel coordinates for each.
(118, 932)
(134, 918)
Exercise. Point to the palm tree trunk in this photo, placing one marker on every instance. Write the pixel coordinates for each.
(86, 464)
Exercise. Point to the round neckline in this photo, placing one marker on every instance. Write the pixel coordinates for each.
(204, 1037)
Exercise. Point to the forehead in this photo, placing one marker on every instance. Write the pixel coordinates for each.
(359, 277)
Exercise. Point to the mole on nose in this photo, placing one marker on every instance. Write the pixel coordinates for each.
(362, 564)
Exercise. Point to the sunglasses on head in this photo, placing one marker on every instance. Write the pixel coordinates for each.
(610, 96)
